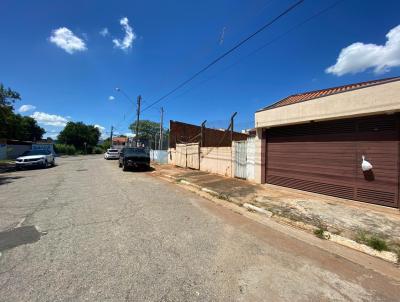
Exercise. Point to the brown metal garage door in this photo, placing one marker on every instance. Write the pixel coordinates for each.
(325, 157)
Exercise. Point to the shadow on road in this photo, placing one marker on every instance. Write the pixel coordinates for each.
(140, 170)
(8, 179)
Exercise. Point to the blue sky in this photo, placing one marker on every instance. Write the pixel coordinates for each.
(149, 47)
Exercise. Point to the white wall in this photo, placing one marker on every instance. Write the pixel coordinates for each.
(383, 98)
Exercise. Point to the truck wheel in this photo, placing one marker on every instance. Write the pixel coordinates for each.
(124, 168)
(119, 165)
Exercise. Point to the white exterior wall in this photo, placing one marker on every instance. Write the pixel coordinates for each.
(383, 98)
(216, 160)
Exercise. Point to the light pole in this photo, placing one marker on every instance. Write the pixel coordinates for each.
(123, 92)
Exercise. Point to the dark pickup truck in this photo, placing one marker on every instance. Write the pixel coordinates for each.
(134, 157)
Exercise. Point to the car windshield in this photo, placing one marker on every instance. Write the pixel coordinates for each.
(134, 151)
(36, 152)
(112, 150)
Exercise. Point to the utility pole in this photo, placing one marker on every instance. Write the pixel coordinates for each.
(231, 125)
(203, 124)
(111, 136)
(139, 98)
(160, 145)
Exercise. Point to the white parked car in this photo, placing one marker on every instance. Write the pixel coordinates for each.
(111, 154)
(35, 158)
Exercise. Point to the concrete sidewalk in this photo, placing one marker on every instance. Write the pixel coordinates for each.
(350, 219)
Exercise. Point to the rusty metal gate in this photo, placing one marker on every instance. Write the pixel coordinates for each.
(241, 159)
(188, 155)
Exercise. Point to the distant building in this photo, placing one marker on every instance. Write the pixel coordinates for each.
(118, 142)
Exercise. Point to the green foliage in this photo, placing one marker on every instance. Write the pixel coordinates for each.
(106, 144)
(64, 149)
(150, 130)
(98, 150)
(78, 134)
(16, 126)
(372, 240)
(8, 96)
(319, 233)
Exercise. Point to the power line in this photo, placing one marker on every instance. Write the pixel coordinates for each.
(226, 53)
(277, 38)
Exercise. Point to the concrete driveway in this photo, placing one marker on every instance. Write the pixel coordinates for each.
(86, 231)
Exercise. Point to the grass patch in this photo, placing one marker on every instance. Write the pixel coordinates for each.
(372, 240)
(223, 197)
(319, 233)
(6, 161)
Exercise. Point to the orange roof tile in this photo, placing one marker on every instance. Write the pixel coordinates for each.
(306, 96)
(119, 139)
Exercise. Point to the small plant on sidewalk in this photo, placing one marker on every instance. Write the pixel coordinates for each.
(320, 231)
(223, 196)
(372, 240)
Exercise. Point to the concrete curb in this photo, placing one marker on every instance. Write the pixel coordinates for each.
(257, 209)
(384, 255)
(210, 191)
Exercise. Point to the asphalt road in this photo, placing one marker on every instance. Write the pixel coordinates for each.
(105, 235)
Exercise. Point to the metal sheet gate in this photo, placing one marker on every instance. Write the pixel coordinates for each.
(188, 155)
(241, 159)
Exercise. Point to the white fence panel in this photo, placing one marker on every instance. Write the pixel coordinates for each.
(240, 159)
(251, 158)
(193, 156)
(159, 156)
(180, 155)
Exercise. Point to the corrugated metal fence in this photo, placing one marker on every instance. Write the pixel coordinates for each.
(159, 156)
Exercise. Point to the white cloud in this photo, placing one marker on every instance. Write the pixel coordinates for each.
(65, 39)
(101, 128)
(111, 98)
(127, 41)
(26, 108)
(104, 32)
(129, 134)
(49, 119)
(103, 135)
(359, 57)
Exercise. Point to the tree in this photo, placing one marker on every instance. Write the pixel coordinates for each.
(151, 131)
(106, 144)
(16, 126)
(77, 134)
(8, 96)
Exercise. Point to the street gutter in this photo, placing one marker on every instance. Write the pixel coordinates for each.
(343, 241)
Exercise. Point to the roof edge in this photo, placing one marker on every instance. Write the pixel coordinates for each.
(382, 81)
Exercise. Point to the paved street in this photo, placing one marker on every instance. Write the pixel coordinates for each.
(108, 235)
